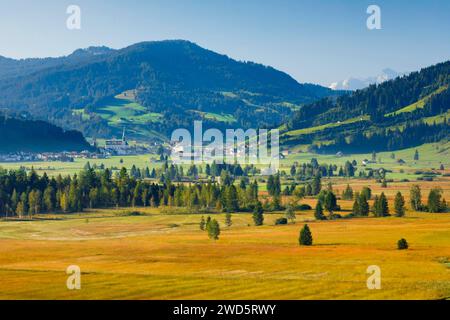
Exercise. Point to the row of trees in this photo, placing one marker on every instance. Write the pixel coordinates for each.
(309, 170)
(436, 203)
(175, 172)
(27, 194)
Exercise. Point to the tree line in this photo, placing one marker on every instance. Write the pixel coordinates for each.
(24, 194)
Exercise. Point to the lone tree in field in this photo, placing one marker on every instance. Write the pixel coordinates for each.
(318, 213)
(402, 244)
(258, 214)
(416, 155)
(399, 205)
(202, 224)
(290, 213)
(415, 198)
(214, 230)
(305, 238)
(228, 221)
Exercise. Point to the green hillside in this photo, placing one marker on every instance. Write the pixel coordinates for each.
(397, 114)
(418, 104)
(326, 126)
(219, 117)
(124, 112)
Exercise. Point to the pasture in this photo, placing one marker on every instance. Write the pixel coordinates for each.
(162, 254)
(431, 157)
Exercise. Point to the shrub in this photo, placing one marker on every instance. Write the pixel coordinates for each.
(131, 214)
(402, 244)
(281, 221)
(303, 207)
(335, 216)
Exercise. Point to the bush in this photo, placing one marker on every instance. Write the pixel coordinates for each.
(303, 207)
(402, 244)
(131, 214)
(281, 221)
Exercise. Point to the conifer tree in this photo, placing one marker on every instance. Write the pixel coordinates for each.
(367, 193)
(363, 206)
(14, 200)
(356, 209)
(228, 221)
(382, 208)
(214, 230)
(318, 213)
(305, 238)
(202, 223)
(434, 200)
(258, 214)
(415, 196)
(399, 205)
(348, 193)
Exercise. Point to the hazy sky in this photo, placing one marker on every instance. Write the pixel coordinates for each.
(318, 41)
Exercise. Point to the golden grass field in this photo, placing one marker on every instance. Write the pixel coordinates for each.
(166, 256)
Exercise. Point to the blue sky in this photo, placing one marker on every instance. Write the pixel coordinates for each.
(314, 41)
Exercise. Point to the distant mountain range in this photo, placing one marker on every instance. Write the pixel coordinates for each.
(169, 84)
(152, 88)
(361, 83)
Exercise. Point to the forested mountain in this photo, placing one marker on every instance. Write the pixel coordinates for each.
(176, 80)
(400, 113)
(38, 136)
(11, 68)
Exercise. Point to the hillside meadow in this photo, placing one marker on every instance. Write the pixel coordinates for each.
(162, 254)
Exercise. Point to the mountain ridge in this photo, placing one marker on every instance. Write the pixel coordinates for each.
(171, 77)
(386, 116)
